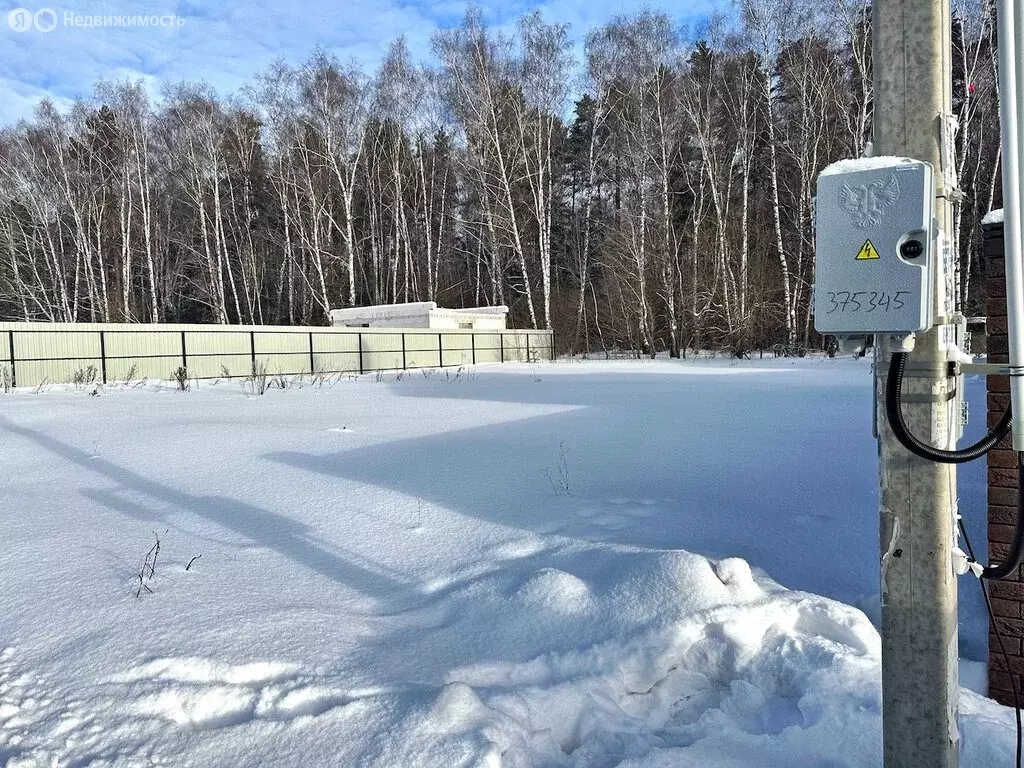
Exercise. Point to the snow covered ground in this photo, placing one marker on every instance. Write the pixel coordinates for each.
(493, 568)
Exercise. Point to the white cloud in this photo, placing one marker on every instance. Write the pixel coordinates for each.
(225, 43)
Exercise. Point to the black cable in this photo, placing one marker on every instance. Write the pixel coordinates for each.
(894, 410)
(1013, 557)
(999, 640)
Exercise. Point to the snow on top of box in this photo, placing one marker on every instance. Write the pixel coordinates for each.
(864, 164)
(993, 217)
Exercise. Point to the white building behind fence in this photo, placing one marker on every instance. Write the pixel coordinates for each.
(420, 314)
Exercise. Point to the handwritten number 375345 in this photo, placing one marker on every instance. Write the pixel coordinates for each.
(866, 301)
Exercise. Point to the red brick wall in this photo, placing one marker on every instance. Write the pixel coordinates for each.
(1007, 595)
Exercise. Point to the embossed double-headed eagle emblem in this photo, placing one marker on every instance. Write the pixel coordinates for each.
(868, 202)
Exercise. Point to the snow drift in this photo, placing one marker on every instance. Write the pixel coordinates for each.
(489, 570)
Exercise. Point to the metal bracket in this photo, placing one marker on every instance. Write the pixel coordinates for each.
(928, 370)
(948, 128)
(921, 370)
(929, 398)
(990, 369)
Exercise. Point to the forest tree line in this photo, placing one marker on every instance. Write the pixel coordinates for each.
(654, 193)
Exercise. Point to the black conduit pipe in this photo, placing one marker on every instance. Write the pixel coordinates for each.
(893, 409)
(894, 412)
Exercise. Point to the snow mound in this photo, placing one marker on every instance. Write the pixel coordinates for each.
(864, 164)
(552, 590)
(735, 573)
(670, 652)
(670, 659)
(993, 217)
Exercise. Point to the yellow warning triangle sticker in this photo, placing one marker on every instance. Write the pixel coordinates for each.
(867, 251)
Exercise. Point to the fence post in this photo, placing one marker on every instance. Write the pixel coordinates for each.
(527, 347)
(312, 365)
(440, 352)
(551, 346)
(103, 356)
(403, 351)
(360, 337)
(14, 373)
(472, 344)
(252, 350)
(501, 345)
(184, 355)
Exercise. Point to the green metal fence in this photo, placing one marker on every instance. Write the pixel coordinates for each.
(57, 353)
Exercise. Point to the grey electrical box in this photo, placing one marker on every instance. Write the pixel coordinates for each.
(874, 247)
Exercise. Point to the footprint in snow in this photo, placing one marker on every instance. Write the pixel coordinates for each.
(205, 695)
(618, 513)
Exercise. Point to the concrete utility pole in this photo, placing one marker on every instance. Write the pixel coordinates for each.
(912, 84)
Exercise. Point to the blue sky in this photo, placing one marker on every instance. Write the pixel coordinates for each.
(226, 42)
